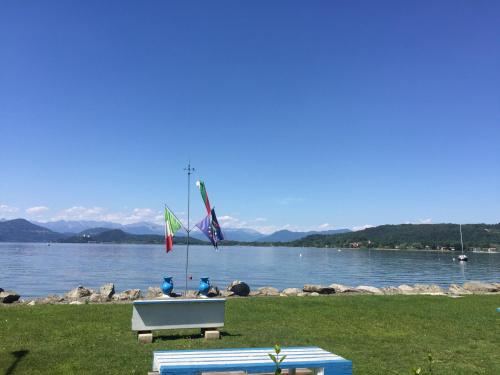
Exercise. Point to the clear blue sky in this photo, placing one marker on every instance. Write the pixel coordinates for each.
(296, 114)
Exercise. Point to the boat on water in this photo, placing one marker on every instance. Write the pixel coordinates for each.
(462, 257)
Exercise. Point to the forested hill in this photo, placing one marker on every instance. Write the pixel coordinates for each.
(415, 236)
(22, 230)
(119, 236)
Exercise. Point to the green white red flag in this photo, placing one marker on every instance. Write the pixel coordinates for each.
(172, 225)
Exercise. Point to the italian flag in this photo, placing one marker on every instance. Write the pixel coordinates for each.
(172, 225)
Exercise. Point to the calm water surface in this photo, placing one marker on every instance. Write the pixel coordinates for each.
(37, 269)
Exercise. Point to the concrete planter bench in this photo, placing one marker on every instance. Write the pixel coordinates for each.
(158, 314)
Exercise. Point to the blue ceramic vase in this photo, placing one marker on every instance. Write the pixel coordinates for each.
(204, 286)
(167, 285)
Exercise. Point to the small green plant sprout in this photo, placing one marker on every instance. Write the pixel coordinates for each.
(419, 371)
(277, 359)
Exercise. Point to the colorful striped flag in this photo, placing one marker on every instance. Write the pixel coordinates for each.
(172, 225)
(204, 195)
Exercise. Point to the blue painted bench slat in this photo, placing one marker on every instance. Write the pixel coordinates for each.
(251, 360)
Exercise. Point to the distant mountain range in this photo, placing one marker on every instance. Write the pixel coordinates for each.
(231, 234)
(20, 230)
(402, 236)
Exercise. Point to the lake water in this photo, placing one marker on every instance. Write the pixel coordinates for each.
(34, 269)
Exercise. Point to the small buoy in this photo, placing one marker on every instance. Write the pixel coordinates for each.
(190, 277)
(453, 259)
(300, 255)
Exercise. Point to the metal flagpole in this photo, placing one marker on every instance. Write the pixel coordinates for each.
(189, 171)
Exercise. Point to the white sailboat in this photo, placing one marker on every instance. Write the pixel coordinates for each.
(462, 257)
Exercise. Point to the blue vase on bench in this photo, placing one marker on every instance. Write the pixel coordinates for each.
(204, 286)
(167, 286)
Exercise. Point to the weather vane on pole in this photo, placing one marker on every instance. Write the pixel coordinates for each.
(189, 170)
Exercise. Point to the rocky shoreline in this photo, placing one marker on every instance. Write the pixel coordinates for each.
(107, 293)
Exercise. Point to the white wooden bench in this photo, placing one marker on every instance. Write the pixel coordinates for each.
(250, 360)
(169, 313)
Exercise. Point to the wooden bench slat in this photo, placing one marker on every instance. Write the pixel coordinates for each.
(325, 357)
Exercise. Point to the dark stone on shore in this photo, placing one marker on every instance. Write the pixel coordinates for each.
(320, 289)
(1, 290)
(239, 288)
(213, 291)
(8, 296)
(339, 288)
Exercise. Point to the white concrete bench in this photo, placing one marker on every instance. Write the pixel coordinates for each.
(250, 360)
(157, 314)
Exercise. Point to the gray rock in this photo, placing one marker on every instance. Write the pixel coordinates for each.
(239, 288)
(314, 294)
(31, 303)
(303, 294)
(369, 289)
(254, 293)
(478, 287)
(406, 289)
(318, 289)
(154, 292)
(291, 291)
(78, 293)
(97, 298)
(7, 296)
(226, 293)
(191, 294)
(268, 291)
(430, 289)
(128, 295)
(76, 303)
(51, 299)
(107, 290)
(390, 290)
(455, 289)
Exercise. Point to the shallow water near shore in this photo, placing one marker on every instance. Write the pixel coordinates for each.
(36, 269)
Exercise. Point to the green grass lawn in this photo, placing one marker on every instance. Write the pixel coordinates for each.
(380, 334)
